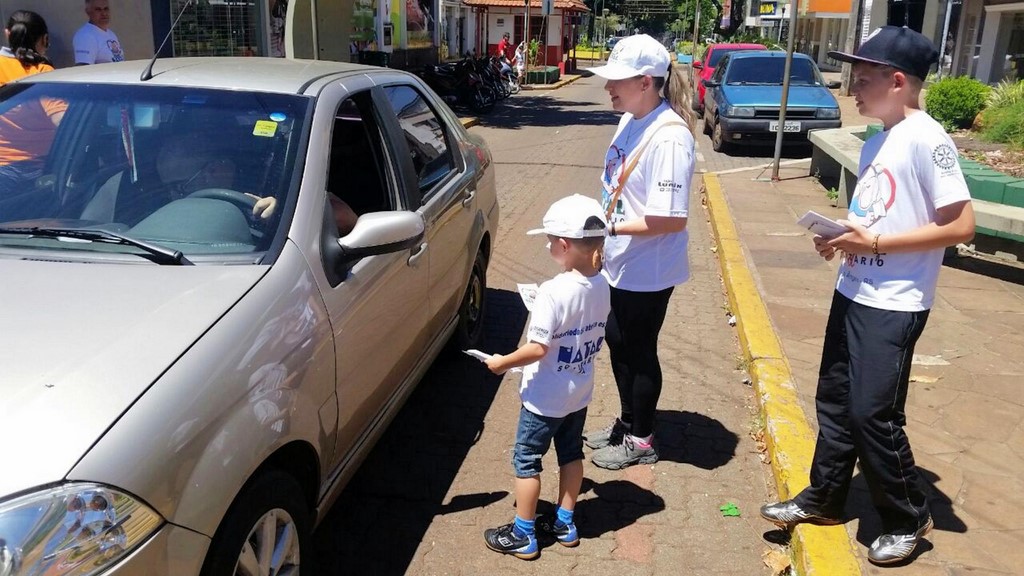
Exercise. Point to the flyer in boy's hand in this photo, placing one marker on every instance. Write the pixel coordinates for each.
(529, 293)
(483, 356)
(822, 225)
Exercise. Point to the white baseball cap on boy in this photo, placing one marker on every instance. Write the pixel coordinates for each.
(638, 55)
(567, 218)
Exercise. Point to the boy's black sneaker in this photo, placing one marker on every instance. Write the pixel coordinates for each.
(504, 539)
(565, 534)
(892, 548)
(788, 514)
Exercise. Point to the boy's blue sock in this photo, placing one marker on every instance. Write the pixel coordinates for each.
(524, 527)
(564, 517)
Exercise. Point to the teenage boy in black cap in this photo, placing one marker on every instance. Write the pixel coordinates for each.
(910, 203)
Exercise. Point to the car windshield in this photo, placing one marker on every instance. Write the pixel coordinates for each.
(718, 53)
(176, 168)
(771, 71)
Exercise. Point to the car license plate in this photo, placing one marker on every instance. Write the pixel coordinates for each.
(791, 126)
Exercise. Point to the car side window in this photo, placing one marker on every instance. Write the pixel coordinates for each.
(425, 136)
(357, 172)
(720, 69)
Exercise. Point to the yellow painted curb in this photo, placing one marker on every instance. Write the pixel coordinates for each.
(469, 122)
(817, 550)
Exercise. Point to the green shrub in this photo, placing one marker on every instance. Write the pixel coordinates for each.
(1006, 93)
(1005, 124)
(955, 102)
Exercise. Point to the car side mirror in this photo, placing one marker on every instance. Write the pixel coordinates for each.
(697, 65)
(711, 83)
(833, 84)
(381, 233)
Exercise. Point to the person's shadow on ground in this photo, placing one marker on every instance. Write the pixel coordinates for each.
(694, 439)
(614, 505)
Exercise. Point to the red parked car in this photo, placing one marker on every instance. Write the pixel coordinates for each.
(704, 68)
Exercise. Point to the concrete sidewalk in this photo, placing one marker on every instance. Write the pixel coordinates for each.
(966, 402)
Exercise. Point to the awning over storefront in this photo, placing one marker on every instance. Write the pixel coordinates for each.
(564, 5)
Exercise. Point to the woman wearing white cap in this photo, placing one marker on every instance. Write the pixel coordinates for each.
(646, 184)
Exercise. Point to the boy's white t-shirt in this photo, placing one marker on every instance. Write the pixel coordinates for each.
(658, 186)
(906, 173)
(569, 316)
(94, 45)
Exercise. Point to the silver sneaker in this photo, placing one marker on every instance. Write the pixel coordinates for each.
(892, 548)
(607, 436)
(626, 453)
(788, 514)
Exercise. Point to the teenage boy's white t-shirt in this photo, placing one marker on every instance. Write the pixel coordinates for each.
(658, 186)
(94, 45)
(569, 316)
(906, 173)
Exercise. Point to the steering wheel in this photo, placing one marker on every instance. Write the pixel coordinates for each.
(244, 202)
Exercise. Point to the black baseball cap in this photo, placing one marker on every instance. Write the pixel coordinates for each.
(895, 46)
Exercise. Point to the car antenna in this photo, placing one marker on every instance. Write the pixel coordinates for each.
(148, 72)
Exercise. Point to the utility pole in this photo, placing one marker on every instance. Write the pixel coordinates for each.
(696, 32)
(526, 42)
(945, 34)
(851, 45)
(793, 9)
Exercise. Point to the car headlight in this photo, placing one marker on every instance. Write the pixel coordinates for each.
(828, 113)
(739, 111)
(71, 530)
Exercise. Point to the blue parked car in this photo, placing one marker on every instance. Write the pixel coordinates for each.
(742, 99)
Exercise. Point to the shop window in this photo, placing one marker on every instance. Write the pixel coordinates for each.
(229, 28)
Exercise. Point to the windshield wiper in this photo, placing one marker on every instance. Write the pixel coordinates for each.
(164, 255)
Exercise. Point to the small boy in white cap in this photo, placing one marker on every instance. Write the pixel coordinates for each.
(566, 332)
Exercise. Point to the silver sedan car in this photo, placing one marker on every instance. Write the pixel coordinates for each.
(217, 287)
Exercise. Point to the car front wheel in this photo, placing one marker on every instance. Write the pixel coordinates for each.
(718, 137)
(266, 531)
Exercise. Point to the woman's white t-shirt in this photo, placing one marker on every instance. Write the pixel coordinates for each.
(658, 186)
(906, 173)
(569, 316)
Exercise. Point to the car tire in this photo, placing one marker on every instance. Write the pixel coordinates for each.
(470, 329)
(707, 126)
(272, 497)
(718, 137)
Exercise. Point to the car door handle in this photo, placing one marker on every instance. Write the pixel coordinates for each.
(414, 260)
(468, 200)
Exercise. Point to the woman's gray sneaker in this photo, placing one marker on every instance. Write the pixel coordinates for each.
(610, 435)
(892, 548)
(626, 453)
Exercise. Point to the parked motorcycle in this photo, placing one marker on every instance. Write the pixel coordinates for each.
(460, 85)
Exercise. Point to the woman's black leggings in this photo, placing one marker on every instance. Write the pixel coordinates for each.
(632, 336)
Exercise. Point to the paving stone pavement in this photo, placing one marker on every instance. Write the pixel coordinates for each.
(965, 406)
(442, 472)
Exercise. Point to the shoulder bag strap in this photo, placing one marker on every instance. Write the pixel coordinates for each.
(631, 165)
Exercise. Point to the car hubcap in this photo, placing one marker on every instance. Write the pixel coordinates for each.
(717, 135)
(272, 547)
(473, 305)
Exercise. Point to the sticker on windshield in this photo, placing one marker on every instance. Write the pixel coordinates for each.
(278, 116)
(265, 128)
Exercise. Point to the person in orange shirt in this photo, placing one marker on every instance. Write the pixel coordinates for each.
(26, 130)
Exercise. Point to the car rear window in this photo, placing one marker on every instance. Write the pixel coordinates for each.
(177, 167)
(771, 71)
(717, 53)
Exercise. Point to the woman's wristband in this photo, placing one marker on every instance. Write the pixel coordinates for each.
(874, 244)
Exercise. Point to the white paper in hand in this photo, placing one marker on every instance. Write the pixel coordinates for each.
(482, 356)
(528, 292)
(821, 225)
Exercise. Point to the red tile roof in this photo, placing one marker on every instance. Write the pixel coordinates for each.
(567, 5)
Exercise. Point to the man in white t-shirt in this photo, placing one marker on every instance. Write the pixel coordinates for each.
(95, 42)
(911, 202)
(567, 328)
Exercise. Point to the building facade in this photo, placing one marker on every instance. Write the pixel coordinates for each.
(983, 39)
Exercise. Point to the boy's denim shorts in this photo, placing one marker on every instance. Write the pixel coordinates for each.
(534, 436)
